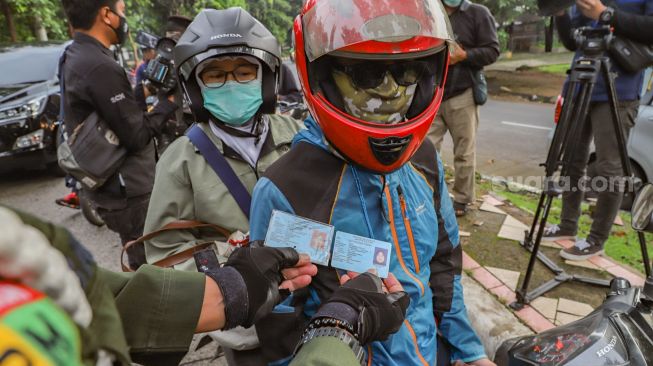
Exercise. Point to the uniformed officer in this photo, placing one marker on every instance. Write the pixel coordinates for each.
(59, 308)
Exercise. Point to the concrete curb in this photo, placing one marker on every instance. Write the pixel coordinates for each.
(493, 322)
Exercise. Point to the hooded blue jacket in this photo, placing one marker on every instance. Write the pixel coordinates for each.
(398, 208)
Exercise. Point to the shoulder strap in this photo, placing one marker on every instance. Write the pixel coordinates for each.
(221, 167)
(176, 258)
(62, 60)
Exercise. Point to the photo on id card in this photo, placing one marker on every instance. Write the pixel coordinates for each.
(360, 254)
(304, 235)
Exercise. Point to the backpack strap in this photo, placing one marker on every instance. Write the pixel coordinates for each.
(221, 167)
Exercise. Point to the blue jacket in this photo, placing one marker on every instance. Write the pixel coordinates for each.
(627, 85)
(400, 211)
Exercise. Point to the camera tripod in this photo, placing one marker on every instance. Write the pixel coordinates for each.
(584, 74)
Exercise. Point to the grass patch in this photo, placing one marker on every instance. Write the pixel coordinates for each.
(560, 69)
(622, 245)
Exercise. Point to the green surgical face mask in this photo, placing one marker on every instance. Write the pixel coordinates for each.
(452, 3)
(233, 103)
(388, 103)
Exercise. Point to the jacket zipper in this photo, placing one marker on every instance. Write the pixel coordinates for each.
(393, 230)
(409, 230)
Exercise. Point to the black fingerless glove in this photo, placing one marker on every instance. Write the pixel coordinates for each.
(361, 302)
(249, 282)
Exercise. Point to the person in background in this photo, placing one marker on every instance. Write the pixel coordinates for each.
(477, 46)
(149, 54)
(94, 82)
(231, 83)
(627, 18)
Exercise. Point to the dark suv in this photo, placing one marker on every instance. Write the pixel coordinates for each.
(29, 106)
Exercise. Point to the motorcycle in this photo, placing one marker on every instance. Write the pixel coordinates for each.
(619, 332)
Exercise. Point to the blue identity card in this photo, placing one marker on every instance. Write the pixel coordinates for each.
(305, 236)
(360, 254)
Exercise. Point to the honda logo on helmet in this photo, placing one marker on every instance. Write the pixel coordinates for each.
(226, 35)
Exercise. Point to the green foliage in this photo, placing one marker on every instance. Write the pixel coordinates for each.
(555, 69)
(147, 15)
(505, 11)
(150, 15)
(50, 15)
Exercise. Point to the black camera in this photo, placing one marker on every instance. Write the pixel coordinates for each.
(552, 7)
(161, 71)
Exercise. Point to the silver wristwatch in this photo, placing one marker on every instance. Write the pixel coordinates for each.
(341, 334)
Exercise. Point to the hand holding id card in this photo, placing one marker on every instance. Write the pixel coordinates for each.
(304, 235)
(350, 252)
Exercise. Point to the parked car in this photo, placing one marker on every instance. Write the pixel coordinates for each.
(29, 106)
(640, 141)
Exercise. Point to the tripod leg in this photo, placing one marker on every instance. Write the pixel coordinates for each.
(528, 243)
(645, 257)
(561, 133)
(574, 115)
(522, 292)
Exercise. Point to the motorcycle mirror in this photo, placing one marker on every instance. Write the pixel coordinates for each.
(642, 211)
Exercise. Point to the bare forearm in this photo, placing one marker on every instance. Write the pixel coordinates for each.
(212, 316)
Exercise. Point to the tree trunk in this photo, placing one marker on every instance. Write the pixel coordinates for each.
(39, 30)
(9, 19)
(548, 36)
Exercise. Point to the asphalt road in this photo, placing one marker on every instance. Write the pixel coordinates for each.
(511, 140)
(511, 143)
(35, 191)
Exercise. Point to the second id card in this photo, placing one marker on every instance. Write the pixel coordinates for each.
(360, 254)
(305, 236)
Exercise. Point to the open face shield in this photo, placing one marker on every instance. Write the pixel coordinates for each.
(400, 28)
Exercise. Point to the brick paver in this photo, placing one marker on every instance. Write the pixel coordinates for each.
(505, 295)
(486, 278)
(469, 263)
(534, 320)
(602, 262)
(619, 271)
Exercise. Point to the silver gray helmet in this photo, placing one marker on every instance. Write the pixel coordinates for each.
(231, 31)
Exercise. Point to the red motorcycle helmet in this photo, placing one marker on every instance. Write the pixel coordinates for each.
(372, 31)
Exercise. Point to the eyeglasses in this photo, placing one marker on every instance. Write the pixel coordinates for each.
(371, 75)
(216, 78)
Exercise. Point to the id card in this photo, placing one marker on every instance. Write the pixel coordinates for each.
(305, 236)
(360, 254)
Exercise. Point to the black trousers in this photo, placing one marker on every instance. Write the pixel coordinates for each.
(598, 128)
(128, 222)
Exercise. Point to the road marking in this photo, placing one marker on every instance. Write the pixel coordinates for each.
(525, 125)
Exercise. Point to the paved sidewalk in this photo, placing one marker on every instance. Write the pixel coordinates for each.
(545, 312)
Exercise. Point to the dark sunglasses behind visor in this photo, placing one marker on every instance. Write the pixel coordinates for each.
(371, 75)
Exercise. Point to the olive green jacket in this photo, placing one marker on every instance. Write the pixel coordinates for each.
(148, 316)
(187, 188)
(325, 351)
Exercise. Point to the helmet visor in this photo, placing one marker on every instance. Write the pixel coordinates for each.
(335, 24)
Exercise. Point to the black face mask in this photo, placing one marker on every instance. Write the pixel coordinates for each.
(122, 30)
